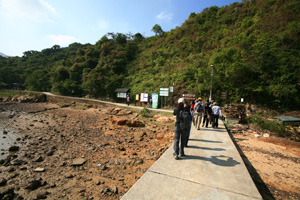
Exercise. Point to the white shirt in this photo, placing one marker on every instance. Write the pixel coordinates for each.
(216, 110)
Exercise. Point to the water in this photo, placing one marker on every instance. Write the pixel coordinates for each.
(8, 138)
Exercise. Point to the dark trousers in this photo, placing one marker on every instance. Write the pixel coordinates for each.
(215, 120)
(180, 137)
(205, 119)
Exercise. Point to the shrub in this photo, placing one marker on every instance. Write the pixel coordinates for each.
(274, 127)
(146, 112)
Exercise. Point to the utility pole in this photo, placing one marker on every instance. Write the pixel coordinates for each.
(212, 71)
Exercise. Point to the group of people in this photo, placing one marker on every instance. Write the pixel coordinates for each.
(186, 115)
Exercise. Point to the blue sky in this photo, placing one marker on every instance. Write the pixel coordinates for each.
(40, 24)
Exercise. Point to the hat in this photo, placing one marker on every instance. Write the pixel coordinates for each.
(200, 98)
(181, 100)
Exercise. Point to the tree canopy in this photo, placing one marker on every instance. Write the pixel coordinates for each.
(254, 47)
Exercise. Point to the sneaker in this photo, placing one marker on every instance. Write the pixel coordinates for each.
(176, 157)
(181, 155)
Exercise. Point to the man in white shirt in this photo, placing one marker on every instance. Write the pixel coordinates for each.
(216, 112)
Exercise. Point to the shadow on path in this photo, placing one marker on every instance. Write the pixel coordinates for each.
(209, 141)
(206, 148)
(224, 161)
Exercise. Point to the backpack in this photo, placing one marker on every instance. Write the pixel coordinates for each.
(199, 108)
(184, 121)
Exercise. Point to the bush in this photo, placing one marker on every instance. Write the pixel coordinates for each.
(274, 127)
(146, 112)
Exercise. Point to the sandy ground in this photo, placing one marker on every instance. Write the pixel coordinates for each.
(51, 136)
(274, 163)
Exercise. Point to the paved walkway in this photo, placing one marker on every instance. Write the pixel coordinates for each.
(212, 169)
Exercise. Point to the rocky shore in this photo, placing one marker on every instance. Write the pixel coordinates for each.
(76, 151)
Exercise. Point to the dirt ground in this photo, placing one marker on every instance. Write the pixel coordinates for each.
(52, 136)
(114, 148)
(274, 163)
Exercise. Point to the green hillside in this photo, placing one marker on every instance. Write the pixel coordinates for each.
(254, 47)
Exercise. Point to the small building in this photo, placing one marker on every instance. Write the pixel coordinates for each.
(121, 93)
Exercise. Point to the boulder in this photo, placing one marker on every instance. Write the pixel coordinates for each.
(34, 184)
(135, 123)
(13, 148)
(78, 162)
(124, 112)
(3, 182)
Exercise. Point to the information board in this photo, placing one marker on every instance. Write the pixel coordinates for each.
(154, 100)
(164, 92)
(144, 97)
(189, 96)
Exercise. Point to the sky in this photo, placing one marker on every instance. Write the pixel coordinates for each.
(39, 24)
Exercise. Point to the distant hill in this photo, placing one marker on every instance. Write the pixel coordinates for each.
(3, 55)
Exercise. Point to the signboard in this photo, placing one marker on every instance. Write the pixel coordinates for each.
(224, 95)
(189, 96)
(121, 95)
(154, 100)
(171, 89)
(144, 97)
(137, 97)
(164, 92)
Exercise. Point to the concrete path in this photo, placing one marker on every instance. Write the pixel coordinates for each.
(86, 100)
(212, 169)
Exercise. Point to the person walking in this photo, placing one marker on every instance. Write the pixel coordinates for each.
(191, 118)
(206, 114)
(216, 112)
(199, 112)
(128, 100)
(180, 134)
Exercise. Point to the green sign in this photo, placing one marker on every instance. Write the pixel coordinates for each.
(154, 100)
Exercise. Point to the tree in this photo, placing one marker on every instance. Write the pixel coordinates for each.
(157, 29)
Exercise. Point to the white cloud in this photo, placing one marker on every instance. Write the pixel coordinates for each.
(34, 10)
(62, 40)
(165, 16)
(103, 24)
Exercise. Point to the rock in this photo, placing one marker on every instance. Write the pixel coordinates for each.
(114, 189)
(122, 122)
(124, 112)
(69, 176)
(50, 153)
(159, 136)
(41, 196)
(13, 148)
(39, 169)
(18, 162)
(104, 190)
(11, 169)
(78, 162)
(121, 148)
(164, 119)
(3, 182)
(39, 159)
(7, 193)
(266, 135)
(104, 167)
(257, 135)
(139, 162)
(5, 132)
(34, 184)
(135, 123)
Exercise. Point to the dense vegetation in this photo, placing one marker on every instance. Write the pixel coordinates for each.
(254, 47)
